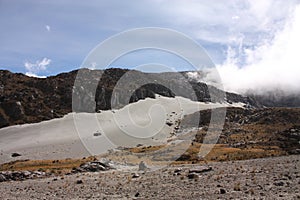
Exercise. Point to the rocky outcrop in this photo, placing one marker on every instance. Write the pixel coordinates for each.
(21, 175)
(95, 166)
(264, 128)
(13, 109)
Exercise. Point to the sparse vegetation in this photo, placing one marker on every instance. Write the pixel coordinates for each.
(53, 166)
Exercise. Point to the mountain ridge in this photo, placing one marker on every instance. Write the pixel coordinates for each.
(26, 99)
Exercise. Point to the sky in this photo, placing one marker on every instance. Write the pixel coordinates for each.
(253, 43)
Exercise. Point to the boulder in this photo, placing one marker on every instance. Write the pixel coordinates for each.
(93, 167)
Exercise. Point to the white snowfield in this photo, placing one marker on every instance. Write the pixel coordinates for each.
(149, 121)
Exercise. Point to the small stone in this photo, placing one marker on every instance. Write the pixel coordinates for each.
(135, 175)
(279, 183)
(177, 170)
(27, 173)
(137, 194)
(169, 123)
(97, 134)
(222, 191)
(79, 182)
(193, 176)
(15, 154)
(177, 174)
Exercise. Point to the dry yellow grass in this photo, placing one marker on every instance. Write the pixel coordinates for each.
(55, 166)
(220, 152)
(145, 149)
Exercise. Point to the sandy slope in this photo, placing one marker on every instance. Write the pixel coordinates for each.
(72, 136)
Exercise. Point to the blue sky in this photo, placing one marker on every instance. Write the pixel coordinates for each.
(48, 37)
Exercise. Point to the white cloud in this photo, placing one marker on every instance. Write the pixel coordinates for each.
(219, 22)
(272, 65)
(33, 69)
(235, 17)
(48, 28)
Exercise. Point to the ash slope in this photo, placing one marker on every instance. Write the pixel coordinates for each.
(26, 99)
(73, 136)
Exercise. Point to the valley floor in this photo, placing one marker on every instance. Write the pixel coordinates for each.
(265, 178)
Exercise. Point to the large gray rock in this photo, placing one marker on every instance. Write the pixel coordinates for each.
(95, 166)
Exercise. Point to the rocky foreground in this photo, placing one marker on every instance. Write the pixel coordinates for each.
(266, 178)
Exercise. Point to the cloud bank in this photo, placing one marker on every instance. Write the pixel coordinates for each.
(272, 65)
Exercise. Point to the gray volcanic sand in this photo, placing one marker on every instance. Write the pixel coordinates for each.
(267, 178)
(143, 122)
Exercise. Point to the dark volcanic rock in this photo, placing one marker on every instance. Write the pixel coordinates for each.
(193, 176)
(13, 109)
(222, 191)
(15, 154)
(3, 120)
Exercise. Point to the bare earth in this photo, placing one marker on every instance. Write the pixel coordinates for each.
(266, 178)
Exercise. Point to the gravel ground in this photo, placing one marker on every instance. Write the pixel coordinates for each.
(268, 178)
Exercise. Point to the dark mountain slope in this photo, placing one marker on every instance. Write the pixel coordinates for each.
(26, 99)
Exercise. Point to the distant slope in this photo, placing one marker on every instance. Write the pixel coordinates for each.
(254, 133)
(26, 99)
(268, 97)
(277, 99)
